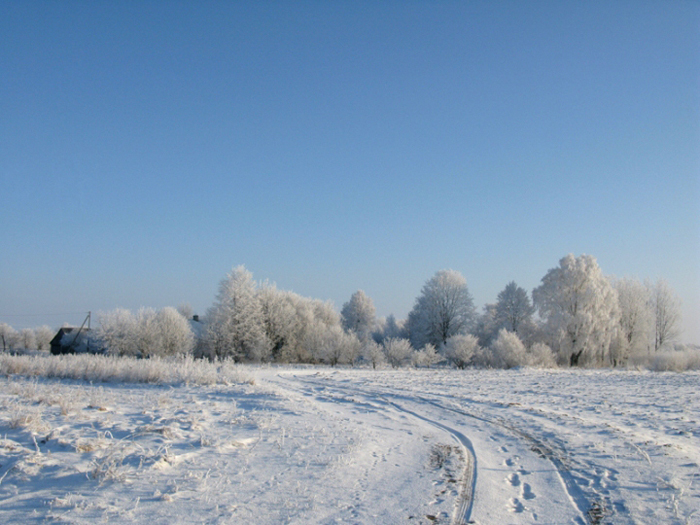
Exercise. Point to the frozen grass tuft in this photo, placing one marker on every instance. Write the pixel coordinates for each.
(99, 368)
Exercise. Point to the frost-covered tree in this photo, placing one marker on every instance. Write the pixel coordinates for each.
(398, 352)
(9, 337)
(580, 310)
(147, 333)
(331, 345)
(185, 310)
(118, 331)
(513, 309)
(358, 315)
(486, 328)
(389, 328)
(173, 333)
(636, 320)
(444, 308)
(27, 339)
(281, 320)
(373, 353)
(460, 349)
(235, 322)
(43, 335)
(666, 308)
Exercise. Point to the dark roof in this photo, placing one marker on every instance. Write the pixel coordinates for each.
(65, 330)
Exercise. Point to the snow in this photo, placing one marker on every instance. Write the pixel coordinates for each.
(321, 445)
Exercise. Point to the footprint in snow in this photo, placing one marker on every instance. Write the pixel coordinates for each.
(511, 461)
(516, 505)
(527, 491)
(514, 479)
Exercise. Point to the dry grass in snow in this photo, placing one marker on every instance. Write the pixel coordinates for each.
(99, 368)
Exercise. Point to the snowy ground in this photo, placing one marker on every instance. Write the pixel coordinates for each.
(356, 446)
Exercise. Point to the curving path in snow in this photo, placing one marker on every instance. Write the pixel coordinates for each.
(544, 447)
(519, 478)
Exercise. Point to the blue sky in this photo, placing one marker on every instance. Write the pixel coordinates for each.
(146, 148)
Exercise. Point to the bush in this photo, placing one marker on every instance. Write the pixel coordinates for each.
(399, 352)
(508, 351)
(426, 356)
(460, 349)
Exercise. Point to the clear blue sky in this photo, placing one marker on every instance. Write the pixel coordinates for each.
(146, 148)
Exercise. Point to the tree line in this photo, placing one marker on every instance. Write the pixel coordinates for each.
(576, 316)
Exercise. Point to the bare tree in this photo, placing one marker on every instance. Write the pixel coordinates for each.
(666, 307)
(636, 320)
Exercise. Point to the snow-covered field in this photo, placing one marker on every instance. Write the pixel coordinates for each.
(318, 445)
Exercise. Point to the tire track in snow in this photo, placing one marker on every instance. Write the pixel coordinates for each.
(558, 460)
(561, 462)
(465, 498)
(468, 482)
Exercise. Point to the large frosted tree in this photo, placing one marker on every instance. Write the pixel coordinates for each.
(444, 308)
(580, 310)
(358, 315)
(235, 323)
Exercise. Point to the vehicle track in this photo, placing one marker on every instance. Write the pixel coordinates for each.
(558, 457)
(464, 504)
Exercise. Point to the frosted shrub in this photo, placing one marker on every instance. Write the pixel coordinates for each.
(399, 352)
(460, 349)
(373, 353)
(426, 356)
(540, 355)
(508, 351)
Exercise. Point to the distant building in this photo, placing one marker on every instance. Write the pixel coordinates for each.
(72, 340)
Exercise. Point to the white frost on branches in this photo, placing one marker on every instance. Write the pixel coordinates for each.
(580, 310)
(444, 308)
